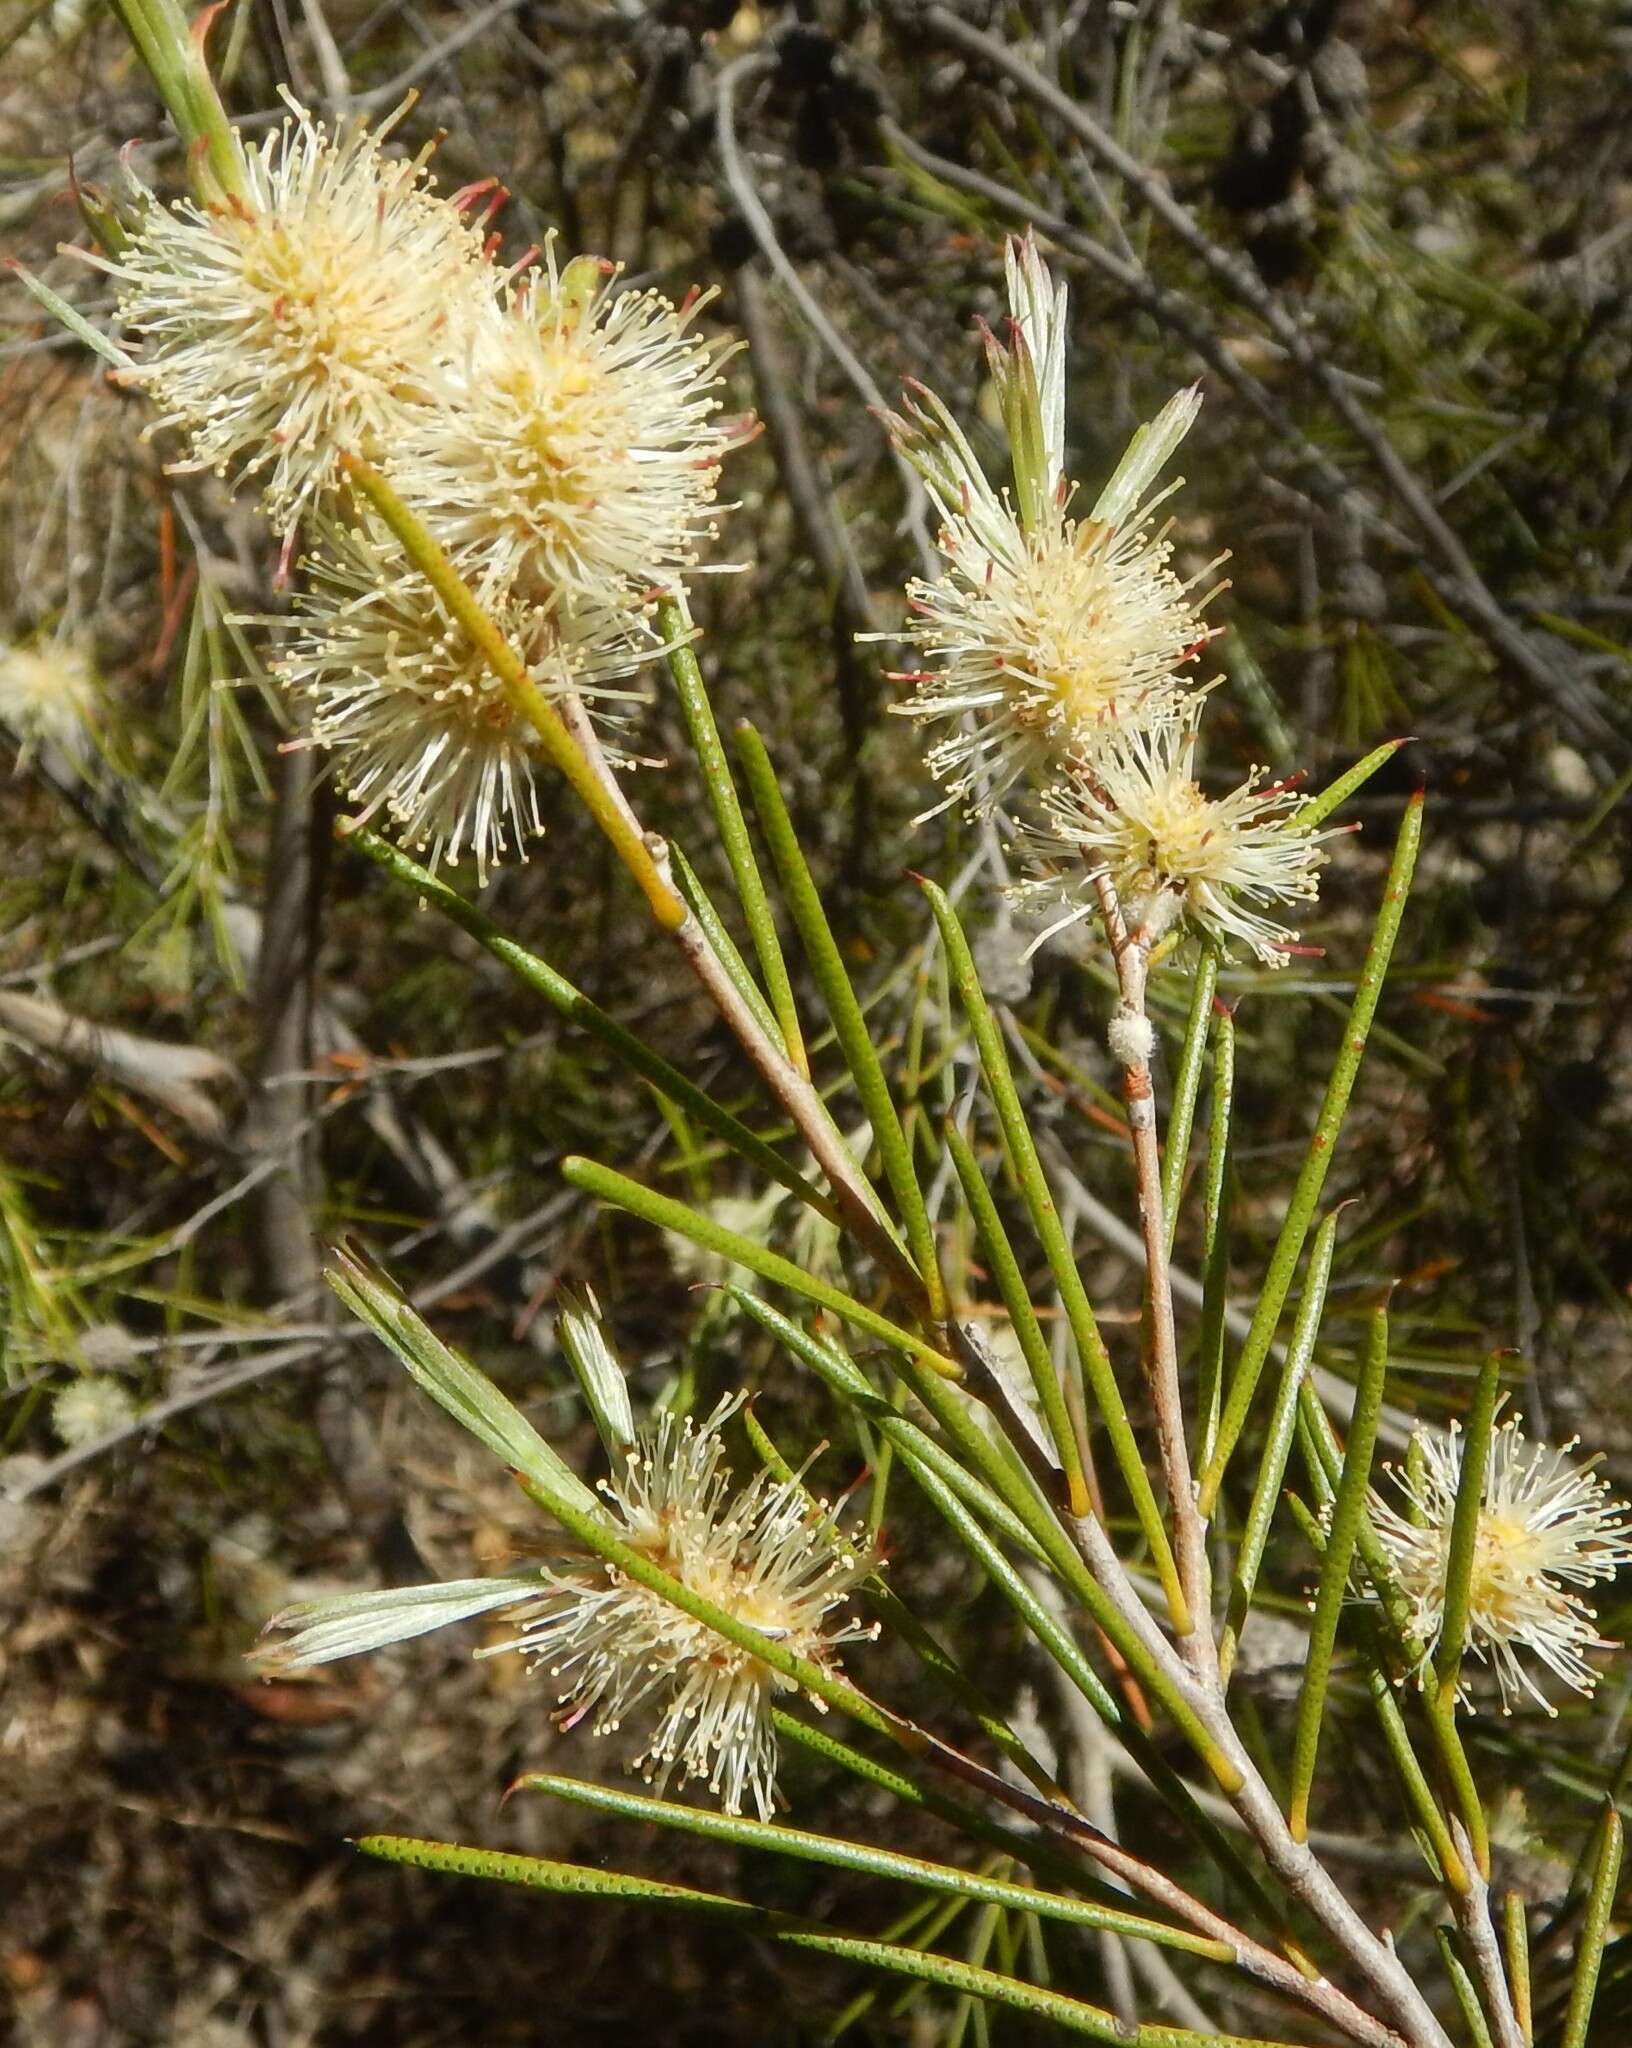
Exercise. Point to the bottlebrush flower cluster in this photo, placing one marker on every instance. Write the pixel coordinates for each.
(1547, 1526)
(559, 438)
(1056, 648)
(767, 1554)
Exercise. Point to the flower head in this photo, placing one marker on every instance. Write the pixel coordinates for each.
(576, 446)
(1044, 632)
(768, 1554)
(49, 695)
(91, 1406)
(1545, 1525)
(302, 317)
(417, 723)
(1133, 812)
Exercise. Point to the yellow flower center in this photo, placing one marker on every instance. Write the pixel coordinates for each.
(1176, 839)
(1503, 1584)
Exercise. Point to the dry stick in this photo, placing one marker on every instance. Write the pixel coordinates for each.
(1243, 285)
(763, 230)
(1131, 955)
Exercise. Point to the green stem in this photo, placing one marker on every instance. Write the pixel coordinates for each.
(674, 622)
(1347, 1509)
(524, 696)
(849, 1024)
(1312, 1177)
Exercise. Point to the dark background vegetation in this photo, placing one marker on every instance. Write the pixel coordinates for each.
(1400, 268)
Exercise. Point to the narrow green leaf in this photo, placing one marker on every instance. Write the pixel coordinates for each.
(469, 1396)
(582, 1337)
(725, 947)
(1186, 1087)
(1347, 1508)
(862, 1857)
(838, 993)
(1005, 1270)
(1312, 1177)
(577, 1008)
(174, 55)
(674, 622)
(1459, 1563)
(1516, 1953)
(1589, 1947)
(1216, 1242)
(1272, 1468)
(1045, 1220)
(565, 1880)
(1321, 807)
(1447, 1864)
(669, 1214)
(70, 317)
(1462, 1989)
(852, 1387)
(1068, 2014)
(571, 1880)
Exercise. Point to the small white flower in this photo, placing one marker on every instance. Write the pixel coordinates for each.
(90, 1407)
(49, 695)
(767, 1554)
(416, 722)
(575, 446)
(303, 319)
(1546, 1525)
(1134, 812)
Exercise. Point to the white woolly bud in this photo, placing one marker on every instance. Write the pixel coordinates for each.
(1132, 1038)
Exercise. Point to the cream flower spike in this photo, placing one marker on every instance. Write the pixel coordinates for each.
(1134, 812)
(284, 327)
(1045, 632)
(49, 696)
(412, 716)
(1546, 1526)
(768, 1554)
(577, 443)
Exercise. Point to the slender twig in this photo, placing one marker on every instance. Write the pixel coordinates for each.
(1481, 1947)
(1299, 1871)
(1130, 951)
(763, 230)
